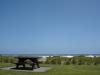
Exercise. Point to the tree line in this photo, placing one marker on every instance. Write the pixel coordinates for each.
(76, 60)
(7, 59)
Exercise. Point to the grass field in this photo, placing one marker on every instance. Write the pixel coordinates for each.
(59, 70)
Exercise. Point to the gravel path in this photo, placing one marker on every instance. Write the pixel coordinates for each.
(41, 69)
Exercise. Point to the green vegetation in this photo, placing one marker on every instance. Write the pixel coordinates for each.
(59, 70)
(77, 60)
(6, 65)
(7, 59)
(78, 65)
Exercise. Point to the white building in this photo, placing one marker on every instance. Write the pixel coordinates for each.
(69, 56)
(44, 58)
(90, 56)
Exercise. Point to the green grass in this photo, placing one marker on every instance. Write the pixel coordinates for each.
(6, 65)
(59, 70)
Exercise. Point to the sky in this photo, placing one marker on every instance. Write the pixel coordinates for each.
(49, 26)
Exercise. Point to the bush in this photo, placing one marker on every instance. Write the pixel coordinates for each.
(77, 60)
(7, 59)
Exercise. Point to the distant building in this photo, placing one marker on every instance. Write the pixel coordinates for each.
(44, 58)
(90, 56)
(97, 56)
(69, 56)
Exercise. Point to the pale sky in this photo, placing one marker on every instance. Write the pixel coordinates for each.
(50, 26)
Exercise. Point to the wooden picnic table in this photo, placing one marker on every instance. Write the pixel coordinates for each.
(22, 61)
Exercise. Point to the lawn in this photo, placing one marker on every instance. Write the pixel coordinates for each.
(6, 65)
(59, 70)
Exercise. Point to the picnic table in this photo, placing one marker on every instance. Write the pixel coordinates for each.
(22, 62)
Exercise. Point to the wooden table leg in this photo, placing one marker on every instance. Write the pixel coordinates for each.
(17, 66)
(24, 66)
(33, 66)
